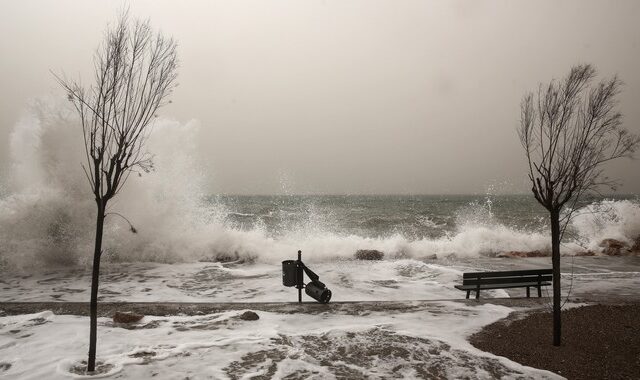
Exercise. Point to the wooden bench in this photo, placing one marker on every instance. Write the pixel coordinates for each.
(533, 278)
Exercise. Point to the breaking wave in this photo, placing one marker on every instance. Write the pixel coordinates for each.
(47, 214)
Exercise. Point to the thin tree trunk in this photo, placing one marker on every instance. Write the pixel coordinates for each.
(93, 333)
(555, 259)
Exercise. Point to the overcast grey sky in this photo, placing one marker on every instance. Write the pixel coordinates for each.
(344, 96)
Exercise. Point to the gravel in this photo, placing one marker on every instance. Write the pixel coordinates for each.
(598, 341)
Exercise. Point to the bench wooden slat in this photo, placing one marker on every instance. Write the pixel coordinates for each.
(502, 286)
(529, 272)
(505, 280)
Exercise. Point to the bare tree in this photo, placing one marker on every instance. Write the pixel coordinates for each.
(569, 129)
(135, 72)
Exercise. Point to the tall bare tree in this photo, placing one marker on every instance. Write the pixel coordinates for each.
(569, 129)
(135, 72)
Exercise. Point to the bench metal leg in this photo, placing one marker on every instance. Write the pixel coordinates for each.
(477, 294)
(539, 291)
(528, 294)
(468, 292)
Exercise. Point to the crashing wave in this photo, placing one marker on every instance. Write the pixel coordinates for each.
(47, 214)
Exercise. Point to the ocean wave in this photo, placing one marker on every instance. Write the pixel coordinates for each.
(426, 221)
(241, 214)
(47, 214)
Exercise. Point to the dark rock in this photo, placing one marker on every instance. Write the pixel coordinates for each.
(142, 354)
(146, 356)
(226, 258)
(612, 243)
(126, 317)
(613, 247)
(636, 245)
(369, 254)
(584, 253)
(249, 316)
(514, 254)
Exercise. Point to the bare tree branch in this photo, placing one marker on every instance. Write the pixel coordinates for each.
(568, 131)
(135, 72)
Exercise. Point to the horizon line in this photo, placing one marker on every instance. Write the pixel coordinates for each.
(403, 194)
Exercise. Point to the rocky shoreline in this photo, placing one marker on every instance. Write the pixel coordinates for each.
(607, 247)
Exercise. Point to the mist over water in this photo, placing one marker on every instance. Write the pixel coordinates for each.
(47, 212)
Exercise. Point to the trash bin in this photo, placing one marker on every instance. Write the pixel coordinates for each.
(318, 292)
(289, 273)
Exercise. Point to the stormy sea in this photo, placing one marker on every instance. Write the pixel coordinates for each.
(194, 247)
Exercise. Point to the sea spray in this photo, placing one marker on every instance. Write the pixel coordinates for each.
(47, 212)
(44, 214)
(607, 219)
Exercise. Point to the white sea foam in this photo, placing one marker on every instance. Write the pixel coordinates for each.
(47, 212)
(608, 219)
(221, 346)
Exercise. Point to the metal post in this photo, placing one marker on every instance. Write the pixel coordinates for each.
(299, 277)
